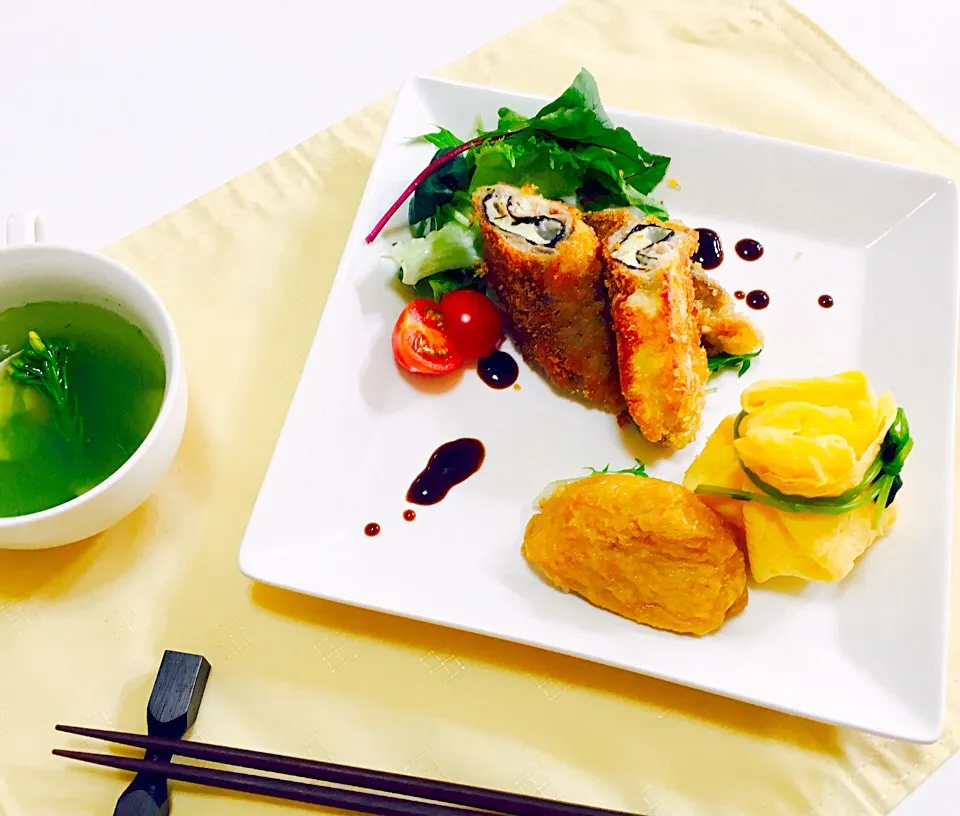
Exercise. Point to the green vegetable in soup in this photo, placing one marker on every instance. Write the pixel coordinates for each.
(43, 366)
(77, 398)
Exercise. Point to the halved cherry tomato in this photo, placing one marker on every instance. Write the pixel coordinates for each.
(420, 342)
(472, 322)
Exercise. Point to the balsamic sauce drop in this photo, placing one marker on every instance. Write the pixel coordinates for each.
(748, 249)
(709, 253)
(372, 529)
(758, 299)
(499, 370)
(825, 300)
(739, 294)
(409, 515)
(450, 464)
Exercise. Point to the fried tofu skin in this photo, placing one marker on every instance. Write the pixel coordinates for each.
(722, 328)
(542, 263)
(663, 367)
(645, 549)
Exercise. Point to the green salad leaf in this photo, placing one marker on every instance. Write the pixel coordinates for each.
(528, 159)
(453, 246)
(507, 122)
(583, 94)
(561, 172)
(443, 139)
(569, 150)
(741, 362)
(578, 115)
(439, 188)
(458, 208)
(438, 284)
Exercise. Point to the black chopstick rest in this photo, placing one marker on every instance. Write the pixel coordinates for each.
(172, 710)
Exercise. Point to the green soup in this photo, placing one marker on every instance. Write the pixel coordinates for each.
(116, 379)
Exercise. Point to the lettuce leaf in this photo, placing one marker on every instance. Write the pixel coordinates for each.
(556, 171)
(437, 285)
(569, 146)
(559, 172)
(578, 115)
(459, 208)
(508, 120)
(443, 139)
(584, 94)
(453, 246)
(568, 149)
(440, 187)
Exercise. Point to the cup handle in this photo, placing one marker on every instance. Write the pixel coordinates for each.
(25, 228)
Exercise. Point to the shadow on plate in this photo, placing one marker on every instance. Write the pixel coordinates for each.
(435, 385)
(895, 643)
(380, 374)
(638, 447)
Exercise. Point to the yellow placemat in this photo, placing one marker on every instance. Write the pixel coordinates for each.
(245, 270)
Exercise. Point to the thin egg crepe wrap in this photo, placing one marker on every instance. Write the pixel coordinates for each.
(808, 438)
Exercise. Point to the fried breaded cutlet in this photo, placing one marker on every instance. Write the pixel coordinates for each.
(604, 222)
(663, 367)
(542, 263)
(722, 328)
(642, 548)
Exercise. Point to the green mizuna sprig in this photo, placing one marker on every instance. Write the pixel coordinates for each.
(880, 483)
(43, 366)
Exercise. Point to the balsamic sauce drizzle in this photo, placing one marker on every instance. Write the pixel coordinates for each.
(449, 465)
(748, 249)
(758, 299)
(709, 252)
(499, 370)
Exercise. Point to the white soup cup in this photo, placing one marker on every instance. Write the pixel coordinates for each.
(33, 270)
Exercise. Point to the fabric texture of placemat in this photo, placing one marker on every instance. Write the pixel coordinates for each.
(245, 271)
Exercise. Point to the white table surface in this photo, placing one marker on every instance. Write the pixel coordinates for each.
(114, 112)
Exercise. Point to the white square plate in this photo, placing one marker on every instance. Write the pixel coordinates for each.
(869, 652)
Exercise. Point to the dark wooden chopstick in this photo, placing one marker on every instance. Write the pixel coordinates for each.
(513, 804)
(356, 801)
